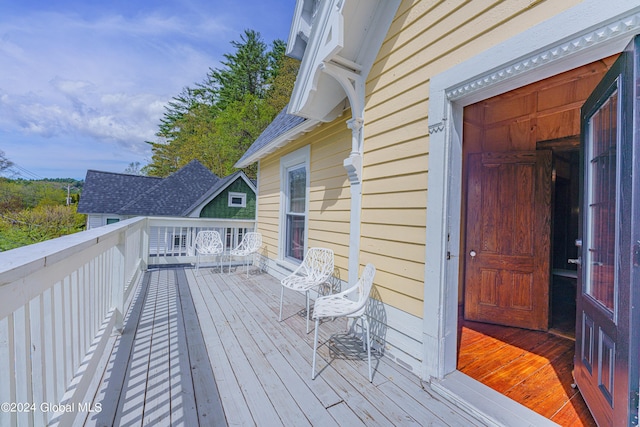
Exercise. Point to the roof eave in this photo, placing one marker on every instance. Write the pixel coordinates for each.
(346, 34)
(278, 142)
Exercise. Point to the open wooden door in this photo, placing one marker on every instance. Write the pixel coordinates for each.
(508, 238)
(607, 322)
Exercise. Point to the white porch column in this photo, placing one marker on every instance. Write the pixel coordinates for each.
(353, 165)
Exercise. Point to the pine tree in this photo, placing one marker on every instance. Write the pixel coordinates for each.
(219, 118)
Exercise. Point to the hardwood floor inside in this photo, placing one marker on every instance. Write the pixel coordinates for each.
(530, 367)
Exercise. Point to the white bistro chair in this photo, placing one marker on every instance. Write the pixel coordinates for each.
(207, 243)
(339, 305)
(316, 268)
(251, 243)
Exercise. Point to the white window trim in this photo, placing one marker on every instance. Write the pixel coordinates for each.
(300, 157)
(242, 196)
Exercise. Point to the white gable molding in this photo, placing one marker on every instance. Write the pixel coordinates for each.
(587, 32)
(197, 209)
(326, 39)
(316, 95)
(334, 68)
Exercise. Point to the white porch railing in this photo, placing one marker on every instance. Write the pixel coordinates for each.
(61, 299)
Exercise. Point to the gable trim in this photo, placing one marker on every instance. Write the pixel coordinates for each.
(330, 46)
(195, 211)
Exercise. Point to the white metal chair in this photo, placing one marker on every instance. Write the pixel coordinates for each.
(251, 243)
(339, 305)
(207, 243)
(316, 268)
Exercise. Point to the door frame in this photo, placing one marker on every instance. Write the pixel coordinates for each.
(559, 44)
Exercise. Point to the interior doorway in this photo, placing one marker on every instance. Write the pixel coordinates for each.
(564, 252)
(533, 274)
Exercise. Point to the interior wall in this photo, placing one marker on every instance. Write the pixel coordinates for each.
(546, 112)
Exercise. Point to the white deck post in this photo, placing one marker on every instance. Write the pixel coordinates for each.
(119, 283)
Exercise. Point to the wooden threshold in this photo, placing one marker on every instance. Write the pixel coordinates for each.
(531, 367)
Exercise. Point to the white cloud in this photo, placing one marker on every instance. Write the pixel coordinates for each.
(108, 78)
(95, 82)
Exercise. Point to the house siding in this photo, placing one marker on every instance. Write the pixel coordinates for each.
(425, 38)
(329, 196)
(219, 206)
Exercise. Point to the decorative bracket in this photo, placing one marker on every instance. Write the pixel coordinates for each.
(353, 165)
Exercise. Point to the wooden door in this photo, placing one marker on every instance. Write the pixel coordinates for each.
(607, 325)
(508, 237)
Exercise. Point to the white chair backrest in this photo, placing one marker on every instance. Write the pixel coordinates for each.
(318, 263)
(364, 288)
(208, 242)
(366, 282)
(251, 242)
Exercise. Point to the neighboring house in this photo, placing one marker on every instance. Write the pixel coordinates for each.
(193, 191)
(456, 123)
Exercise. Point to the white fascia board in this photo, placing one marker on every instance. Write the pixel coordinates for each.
(316, 95)
(328, 20)
(300, 28)
(279, 142)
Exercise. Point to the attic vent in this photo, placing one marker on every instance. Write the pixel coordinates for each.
(237, 200)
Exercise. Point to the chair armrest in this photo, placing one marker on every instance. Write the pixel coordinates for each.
(346, 292)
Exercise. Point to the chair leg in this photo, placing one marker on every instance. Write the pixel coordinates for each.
(281, 298)
(308, 313)
(315, 350)
(368, 350)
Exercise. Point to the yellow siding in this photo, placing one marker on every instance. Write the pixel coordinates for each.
(426, 38)
(329, 194)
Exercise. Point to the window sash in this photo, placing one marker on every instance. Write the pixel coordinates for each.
(294, 185)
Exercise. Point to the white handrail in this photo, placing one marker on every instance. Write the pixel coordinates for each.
(61, 299)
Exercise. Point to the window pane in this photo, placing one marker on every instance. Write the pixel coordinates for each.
(295, 236)
(601, 222)
(297, 190)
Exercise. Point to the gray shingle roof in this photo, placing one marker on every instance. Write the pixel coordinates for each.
(106, 192)
(116, 193)
(281, 124)
(175, 194)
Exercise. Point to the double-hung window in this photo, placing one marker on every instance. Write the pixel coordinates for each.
(294, 207)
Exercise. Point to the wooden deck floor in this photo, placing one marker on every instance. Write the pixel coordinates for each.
(208, 350)
(531, 367)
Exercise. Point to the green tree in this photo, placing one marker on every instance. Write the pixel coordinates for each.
(217, 120)
(41, 223)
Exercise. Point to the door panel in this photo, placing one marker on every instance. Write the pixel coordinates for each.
(508, 238)
(606, 361)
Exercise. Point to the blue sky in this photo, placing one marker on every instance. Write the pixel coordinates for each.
(83, 83)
